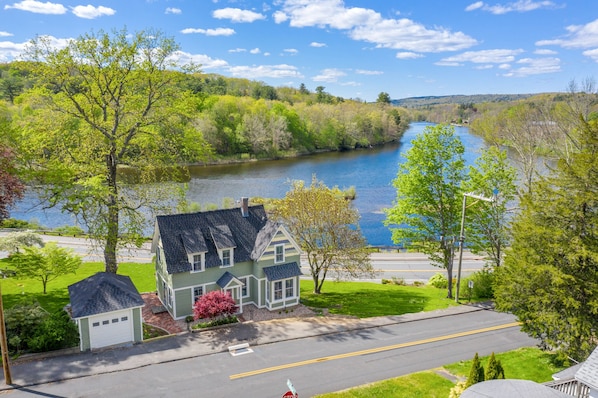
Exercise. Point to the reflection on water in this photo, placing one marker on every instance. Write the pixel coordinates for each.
(370, 171)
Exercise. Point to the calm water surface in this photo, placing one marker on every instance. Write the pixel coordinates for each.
(370, 171)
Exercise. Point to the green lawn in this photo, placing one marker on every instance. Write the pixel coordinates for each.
(15, 290)
(524, 363)
(368, 299)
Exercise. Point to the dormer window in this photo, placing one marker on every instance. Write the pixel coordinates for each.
(227, 260)
(279, 253)
(198, 262)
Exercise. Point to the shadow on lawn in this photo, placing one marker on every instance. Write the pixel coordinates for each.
(52, 301)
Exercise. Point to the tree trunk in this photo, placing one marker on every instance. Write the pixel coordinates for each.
(448, 260)
(113, 220)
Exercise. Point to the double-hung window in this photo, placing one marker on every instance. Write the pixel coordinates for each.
(197, 262)
(226, 258)
(289, 285)
(197, 293)
(277, 290)
(279, 253)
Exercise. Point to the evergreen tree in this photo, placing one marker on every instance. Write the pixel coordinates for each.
(550, 277)
(476, 373)
(495, 369)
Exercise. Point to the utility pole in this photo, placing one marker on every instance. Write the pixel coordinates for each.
(3, 344)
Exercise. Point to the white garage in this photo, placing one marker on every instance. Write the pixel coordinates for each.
(108, 311)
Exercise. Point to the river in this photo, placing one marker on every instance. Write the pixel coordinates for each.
(370, 171)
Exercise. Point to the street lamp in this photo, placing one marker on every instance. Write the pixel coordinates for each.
(462, 235)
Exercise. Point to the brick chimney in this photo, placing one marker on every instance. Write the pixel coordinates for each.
(245, 207)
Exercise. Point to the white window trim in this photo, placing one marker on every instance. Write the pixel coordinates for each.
(203, 289)
(276, 260)
(284, 290)
(221, 254)
(202, 262)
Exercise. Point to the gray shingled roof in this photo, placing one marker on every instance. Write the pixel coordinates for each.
(588, 372)
(225, 279)
(101, 293)
(196, 227)
(283, 271)
(223, 237)
(511, 388)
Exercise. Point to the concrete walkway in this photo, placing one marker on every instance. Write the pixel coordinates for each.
(33, 370)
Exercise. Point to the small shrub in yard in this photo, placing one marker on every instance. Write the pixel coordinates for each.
(215, 304)
(29, 328)
(439, 281)
(482, 284)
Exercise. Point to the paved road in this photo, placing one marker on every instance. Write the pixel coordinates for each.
(407, 266)
(318, 355)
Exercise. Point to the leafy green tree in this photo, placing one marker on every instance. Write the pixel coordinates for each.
(326, 227)
(427, 211)
(102, 105)
(550, 276)
(494, 370)
(383, 98)
(476, 373)
(44, 264)
(488, 229)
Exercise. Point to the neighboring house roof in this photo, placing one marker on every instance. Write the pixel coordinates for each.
(183, 234)
(101, 293)
(588, 372)
(283, 271)
(511, 388)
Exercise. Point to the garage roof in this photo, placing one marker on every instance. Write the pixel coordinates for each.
(101, 293)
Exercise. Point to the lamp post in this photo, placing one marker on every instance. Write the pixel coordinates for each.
(462, 234)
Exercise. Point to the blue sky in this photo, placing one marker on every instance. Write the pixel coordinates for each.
(353, 48)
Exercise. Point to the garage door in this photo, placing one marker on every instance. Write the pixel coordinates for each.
(110, 329)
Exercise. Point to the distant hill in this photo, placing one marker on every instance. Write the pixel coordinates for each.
(418, 102)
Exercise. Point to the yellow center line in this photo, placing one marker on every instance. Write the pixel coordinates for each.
(371, 351)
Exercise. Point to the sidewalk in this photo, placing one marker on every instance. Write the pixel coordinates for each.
(28, 371)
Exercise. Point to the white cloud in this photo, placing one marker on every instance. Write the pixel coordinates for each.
(408, 55)
(254, 51)
(535, 66)
(592, 54)
(545, 52)
(38, 7)
(578, 36)
(265, 71)
(330, 75)
(237, 15)
(172, 10)
(10, 51)
(291, 51)
(209, 32)
(5, 34)
(484, 56)
(517, 6)
(369, 72)
(316, 44)
(367, 25)
(204, 61)
(474, 6)
(91, 12)
(237, 50)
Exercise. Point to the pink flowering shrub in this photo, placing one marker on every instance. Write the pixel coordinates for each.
(215, 304)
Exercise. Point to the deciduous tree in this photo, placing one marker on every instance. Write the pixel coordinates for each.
(104, 104)
(488, 230)
(44, 264)
(15, 241)
(326, 227)
(550, 276)
(427, 211)
(11, 187)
